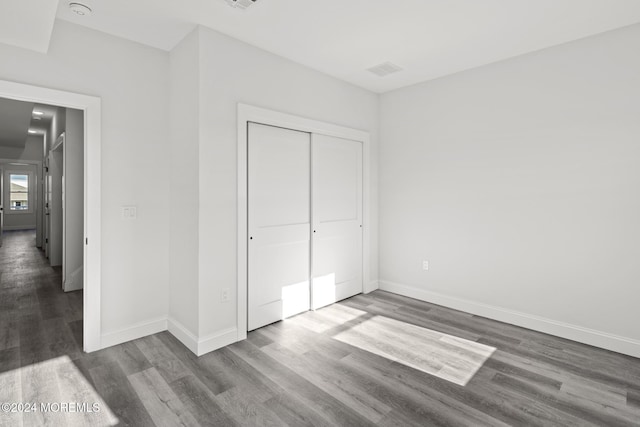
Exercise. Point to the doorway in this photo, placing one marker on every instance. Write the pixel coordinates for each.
(90, 108)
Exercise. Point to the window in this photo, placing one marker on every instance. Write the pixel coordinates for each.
(19, 193)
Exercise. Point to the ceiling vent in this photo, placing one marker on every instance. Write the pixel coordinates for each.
(241, 4)
(384, 69)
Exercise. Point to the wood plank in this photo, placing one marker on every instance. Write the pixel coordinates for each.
(76, 389)
(217, 381)
(163, 359)
(162, 404)
(332, 409)
(114, 387)
(584, 410)
(338, 386)
(201, 402)
(40, 385)
(10, 385)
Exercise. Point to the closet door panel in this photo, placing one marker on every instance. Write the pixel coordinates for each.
(279, 224)
(337, 219)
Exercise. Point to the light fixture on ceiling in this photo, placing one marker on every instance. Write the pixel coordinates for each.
(31, 131)
(241, 4)
(80, 9)
(38, 113)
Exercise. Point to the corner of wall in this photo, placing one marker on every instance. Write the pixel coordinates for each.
(183, 334)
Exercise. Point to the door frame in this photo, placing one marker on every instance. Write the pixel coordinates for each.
(91, 105)
(250, 113)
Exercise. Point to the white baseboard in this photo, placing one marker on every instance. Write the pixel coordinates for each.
(18, 227)
(218, 340)
(74, 281)
(572, 332)
(184, 335)
(136, 331)
(197, 346)
(200, 346)
(371, 286)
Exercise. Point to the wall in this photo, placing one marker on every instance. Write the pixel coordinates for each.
(32, 150)
(73, 199)
(54, 201)
(184, 184)
(519, 181)
(233, 72)
(133, 83)
(56, 128)
(210, 75)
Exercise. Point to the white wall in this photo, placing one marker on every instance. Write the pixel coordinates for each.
(56, 128)
(232, 72)
(228, 72)
(32, 150)
(184, 184)
(54, 200)
(519, 182)
(73, 199)
(133, 82)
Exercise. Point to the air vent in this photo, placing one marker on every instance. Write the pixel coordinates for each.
(384, 69)
(241, 4)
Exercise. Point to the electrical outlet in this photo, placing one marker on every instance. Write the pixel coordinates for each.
(224, 295)
(425, 265)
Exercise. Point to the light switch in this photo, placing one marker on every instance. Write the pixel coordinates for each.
(129, 212)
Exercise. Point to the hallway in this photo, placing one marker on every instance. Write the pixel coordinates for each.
(40, 333)
(33, 308)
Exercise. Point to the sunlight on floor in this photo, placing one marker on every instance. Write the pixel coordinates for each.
(451, 358)
(56, 393)
(328, 318)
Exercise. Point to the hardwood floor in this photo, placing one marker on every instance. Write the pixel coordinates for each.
(313, 369)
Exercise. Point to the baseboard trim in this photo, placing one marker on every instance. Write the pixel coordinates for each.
(136, 331)
(184, 335)
(572, 332)
(74, 281)
(371, 286)
(18, 227)
(216, 341)
(203, 345)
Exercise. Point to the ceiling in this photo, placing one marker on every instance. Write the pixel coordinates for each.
(427, 38)
(17, 118)
(27, 23)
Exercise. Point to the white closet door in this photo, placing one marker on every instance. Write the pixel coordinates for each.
(279, 218)
(337, 219)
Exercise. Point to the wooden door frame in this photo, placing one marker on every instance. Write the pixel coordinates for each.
(91, 106)
(249, 113)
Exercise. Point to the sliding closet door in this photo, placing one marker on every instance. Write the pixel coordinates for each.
(337, 219)
(279, 216)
